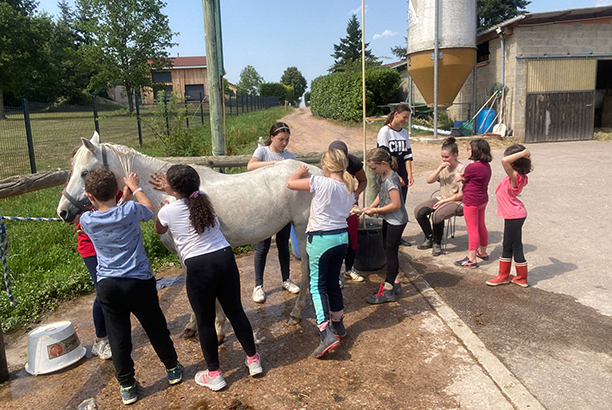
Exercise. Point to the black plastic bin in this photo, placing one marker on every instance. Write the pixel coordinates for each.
(370, 250)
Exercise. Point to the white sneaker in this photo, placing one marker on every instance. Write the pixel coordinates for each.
(258, 294)
(353, 275)
(102, 349)
(254, 365)
(290, 286)
(203, 379)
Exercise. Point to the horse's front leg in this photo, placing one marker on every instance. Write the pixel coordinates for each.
(220, 319)
(300, 303)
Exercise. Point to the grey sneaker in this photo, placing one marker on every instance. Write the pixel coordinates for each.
(436, 249)
(258, 294)
(213, 383)
(397, 288)
(128, 394)
(254, 365)
(338, 328)
(382, 296)
(290, 286)
(175, 375)
(427, 244)
(102, 349)
(329, 343)
(353, 275)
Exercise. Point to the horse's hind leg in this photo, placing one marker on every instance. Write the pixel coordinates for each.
(220, 319)
(300, 303)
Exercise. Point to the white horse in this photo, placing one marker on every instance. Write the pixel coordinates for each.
(251, 206)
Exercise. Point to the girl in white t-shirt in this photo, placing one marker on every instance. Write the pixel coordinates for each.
(211, 268)
(272, 152)
(327, 241)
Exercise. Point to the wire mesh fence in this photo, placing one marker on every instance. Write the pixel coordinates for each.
(55, 131)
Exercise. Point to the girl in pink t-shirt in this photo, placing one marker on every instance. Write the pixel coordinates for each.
(517, 164)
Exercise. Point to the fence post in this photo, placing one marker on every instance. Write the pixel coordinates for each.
(242, 103)
(138, 119)
(202, 108)
(229, 97)
(95, 113)
(186, 112)
(4, 373)
(167, 120)
(28, 127)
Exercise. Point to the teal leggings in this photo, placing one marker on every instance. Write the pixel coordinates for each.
(325, 256)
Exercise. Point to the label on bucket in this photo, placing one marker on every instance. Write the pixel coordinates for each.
(63, 347)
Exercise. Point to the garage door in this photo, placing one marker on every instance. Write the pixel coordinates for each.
(560, 97)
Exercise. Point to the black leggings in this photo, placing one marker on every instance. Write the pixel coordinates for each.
(513, 240)
(392, 234)
(261, 252)
(215, 276)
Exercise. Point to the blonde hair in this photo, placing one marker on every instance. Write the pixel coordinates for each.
(335, 160)
(378, 155)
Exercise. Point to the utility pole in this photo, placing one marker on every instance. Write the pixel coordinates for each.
(214, 72)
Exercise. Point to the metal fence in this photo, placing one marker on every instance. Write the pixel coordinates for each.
(38, 137)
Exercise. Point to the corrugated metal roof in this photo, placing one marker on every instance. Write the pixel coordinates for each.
(553, 17)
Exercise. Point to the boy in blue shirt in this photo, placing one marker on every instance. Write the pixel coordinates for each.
(125, 282)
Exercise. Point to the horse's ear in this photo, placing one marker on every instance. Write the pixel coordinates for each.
(89, 145)
(95, 137)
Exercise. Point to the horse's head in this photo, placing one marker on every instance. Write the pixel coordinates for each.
(92, 155)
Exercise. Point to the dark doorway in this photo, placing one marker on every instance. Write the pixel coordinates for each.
(603, 94)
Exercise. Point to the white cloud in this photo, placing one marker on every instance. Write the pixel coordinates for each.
(386, 33)
(603, 3)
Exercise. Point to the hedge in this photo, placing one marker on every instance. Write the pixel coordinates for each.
(280, 90)
(339, 95)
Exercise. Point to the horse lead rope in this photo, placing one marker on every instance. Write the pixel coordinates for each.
(4, 247)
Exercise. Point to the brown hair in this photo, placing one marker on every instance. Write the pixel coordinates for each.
(481, 151)
(277, 128)
(102, 184)
(450, 145)
(399, 108)
(378, 155)
(334, 160)
(186, 181)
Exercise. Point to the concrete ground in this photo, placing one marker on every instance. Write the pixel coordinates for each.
(554, 336)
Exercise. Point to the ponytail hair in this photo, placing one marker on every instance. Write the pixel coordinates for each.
(450, 145)
(380, 154)
(186, 181)
(334, 160)
(277, 128)
(399, 108)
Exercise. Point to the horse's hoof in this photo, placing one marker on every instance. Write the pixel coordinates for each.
(292, 321)
(188, 333)
(220, 339)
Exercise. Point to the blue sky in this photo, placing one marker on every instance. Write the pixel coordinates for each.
(272, 35)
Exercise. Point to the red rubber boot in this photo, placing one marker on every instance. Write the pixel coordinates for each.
(521, 274)
(503, 277)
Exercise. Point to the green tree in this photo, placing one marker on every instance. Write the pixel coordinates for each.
(493, 12)
(282, 91)
(226, 88)
(250, 80)
(400, 51)
(349, 50)
(128, 39)
(24, 59)
(294, 78)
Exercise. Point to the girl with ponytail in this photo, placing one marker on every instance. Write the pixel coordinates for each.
(389, 203)
(211, 268)
(327, 242)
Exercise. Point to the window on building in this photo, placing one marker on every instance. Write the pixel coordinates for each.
(194, 92)
(162, 77)
(483, 53)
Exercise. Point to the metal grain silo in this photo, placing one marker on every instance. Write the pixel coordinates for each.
(456, 46)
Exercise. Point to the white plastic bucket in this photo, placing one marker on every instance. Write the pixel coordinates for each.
(53, 347)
